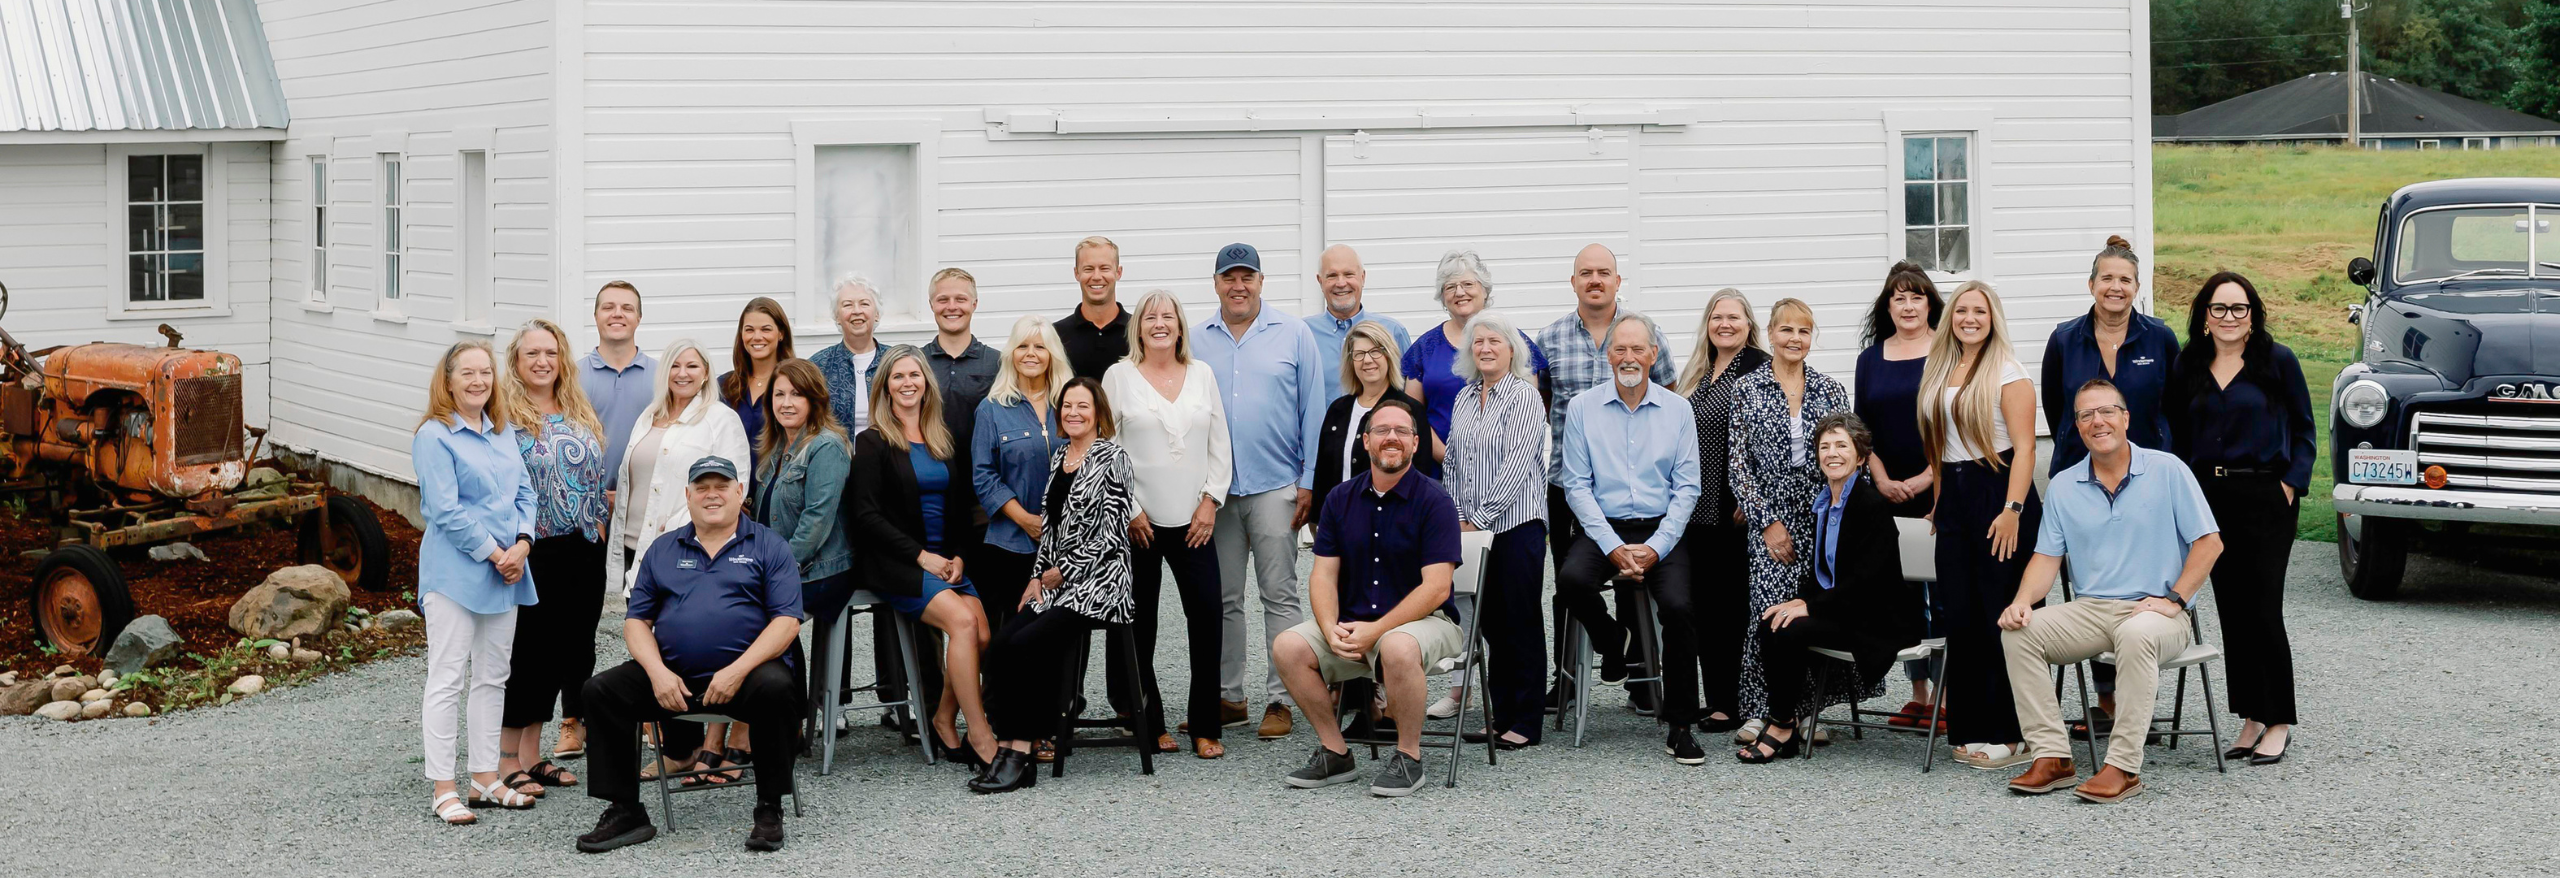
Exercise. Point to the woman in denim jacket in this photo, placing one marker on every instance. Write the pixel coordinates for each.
(806, 459)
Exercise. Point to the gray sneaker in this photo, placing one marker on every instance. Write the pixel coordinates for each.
(1323, 769)
(1401, 776)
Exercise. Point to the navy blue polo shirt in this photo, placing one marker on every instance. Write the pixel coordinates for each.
(1384, 541)
(708, 610)
(2143, 368)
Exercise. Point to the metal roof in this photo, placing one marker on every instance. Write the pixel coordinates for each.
(2313, 107)
(136, 65)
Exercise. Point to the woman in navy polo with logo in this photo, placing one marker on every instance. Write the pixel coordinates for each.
(2241, 415)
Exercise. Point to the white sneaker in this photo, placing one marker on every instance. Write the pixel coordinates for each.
(1750, 731)
(1446, 707)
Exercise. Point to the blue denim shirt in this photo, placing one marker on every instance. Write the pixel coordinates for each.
(1274, 382)
(799, 495)
(1009, 460)
(476, 496)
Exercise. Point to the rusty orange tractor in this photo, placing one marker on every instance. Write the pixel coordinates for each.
(124, 445)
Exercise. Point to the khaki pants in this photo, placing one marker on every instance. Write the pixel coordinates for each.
(2078, 631)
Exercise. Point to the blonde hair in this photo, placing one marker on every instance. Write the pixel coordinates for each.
(1778, 313)
(565, 386)
(440, 404)
(660, 394)
(955, 273)
(1007, 388)
(1374, 333)
(1978, 403)
(1703, 358)
(1097, 241)
(884, 414)
(1137, 334)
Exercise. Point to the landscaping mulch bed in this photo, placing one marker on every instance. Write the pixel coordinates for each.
(195, 596)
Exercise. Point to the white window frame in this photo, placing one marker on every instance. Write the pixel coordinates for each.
(217, 229)
(2430, 143)
(2483, 141)
(1973, 124)
(474, 243)
(391, 230)
(902, 310)
(316, 189)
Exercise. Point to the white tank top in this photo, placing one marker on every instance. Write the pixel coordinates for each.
(1957, 448)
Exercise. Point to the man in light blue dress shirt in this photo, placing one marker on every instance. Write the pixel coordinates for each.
(1271, 372)
(1339, 275)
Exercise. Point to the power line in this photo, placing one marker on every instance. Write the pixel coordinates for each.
(2264, 61)
(2334, 33)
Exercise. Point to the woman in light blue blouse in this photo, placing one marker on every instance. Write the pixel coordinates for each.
(1009, 454)
(555, 644)
(478, 503)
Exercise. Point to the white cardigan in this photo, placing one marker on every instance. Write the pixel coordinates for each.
(706, 427)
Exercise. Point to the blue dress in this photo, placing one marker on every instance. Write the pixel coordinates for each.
(1429, 360)
(932, 479)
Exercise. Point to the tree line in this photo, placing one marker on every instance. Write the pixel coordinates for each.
(2502, 52)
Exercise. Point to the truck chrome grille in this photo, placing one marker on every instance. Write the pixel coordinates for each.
(2513, 451)
(208, 413)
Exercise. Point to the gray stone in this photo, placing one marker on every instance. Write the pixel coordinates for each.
(279, 652)
(145, 642)
(62, 710)
(248, 684)
(65, 671)
(396, 619)
(24, 698)
(69, 688)
(96, 709)
(292, 602)
(304, 656)
(137, 709)
(179, 551)
(107, 678)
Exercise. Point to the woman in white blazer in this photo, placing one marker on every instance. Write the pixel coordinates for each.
(681, 424)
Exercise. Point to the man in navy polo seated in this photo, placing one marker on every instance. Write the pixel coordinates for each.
(712, 619)
(1379, 600)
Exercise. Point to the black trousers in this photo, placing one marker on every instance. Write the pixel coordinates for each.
(1586, 574)
(2248, 591)
(555, 645)
(824, 599)
(1720, 589)
(620, 699)
(1512, 624)
(1028, 663)
(1000, 576)
(1783, 659)
(1195, 579)
(1973, 587)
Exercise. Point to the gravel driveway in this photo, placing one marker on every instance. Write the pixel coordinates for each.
(2427, 749)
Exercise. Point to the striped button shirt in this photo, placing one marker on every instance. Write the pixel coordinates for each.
(1575, 363)
(1495, 471)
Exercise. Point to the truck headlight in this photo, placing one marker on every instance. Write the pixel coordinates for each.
(2363, 404)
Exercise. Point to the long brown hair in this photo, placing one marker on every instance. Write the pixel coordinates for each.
(440, 404)
(811, 385)
(565, 386)
(733, 386)
(884, 413)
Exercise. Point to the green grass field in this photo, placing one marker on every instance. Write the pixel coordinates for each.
(2290, 218)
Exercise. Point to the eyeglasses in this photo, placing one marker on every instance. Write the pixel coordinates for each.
(2220, 310)
(1392, 432)
(1362, 355)
(2105, 411)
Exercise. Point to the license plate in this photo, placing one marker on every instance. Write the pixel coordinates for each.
(2379, 466)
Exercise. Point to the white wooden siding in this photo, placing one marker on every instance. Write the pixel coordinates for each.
(54, 252)
(427, 79)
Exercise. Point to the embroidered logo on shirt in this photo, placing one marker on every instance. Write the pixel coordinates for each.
(2143, 361)
(741, 559)
(686, 564)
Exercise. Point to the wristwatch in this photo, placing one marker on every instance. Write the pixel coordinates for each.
(2014, 506)
(524, 538)
(2173, 597)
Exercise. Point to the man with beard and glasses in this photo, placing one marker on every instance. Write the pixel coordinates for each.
(1380, 603)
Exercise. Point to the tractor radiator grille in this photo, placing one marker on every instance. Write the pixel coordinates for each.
(208, 419)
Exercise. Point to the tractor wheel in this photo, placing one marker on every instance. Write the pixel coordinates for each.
(359, 554)
(80, 600)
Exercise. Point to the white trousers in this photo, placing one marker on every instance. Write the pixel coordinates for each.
(457, 637)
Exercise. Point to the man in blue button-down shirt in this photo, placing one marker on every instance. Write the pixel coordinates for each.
(1339, 275)
(2140, 539)
(617, 376)
(1631, 478)
(1273, 378)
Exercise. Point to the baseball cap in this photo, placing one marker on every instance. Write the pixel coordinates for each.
(1239, 255)
(712, 465)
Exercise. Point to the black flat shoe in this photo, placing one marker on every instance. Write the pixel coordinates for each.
(1012, 770)
(1763, 751)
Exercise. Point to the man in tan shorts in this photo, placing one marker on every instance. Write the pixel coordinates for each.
(1379, 603)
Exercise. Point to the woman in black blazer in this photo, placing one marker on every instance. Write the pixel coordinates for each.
(1368, 376)
(1855, 600)
(911, 500)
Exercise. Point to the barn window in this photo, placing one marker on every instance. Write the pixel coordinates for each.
(1937, 202)
(164, 212)
(471, 228)
(866, 208)
(2472, 143)
(393, 206)
(319, 199)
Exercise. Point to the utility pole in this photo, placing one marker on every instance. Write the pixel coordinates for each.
(2355, 78)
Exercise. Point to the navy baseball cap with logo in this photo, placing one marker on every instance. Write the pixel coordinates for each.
(712, 465)
(1239, 255)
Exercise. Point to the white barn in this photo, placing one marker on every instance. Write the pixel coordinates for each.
(442, 169)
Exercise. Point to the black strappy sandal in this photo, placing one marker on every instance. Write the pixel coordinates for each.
(705, 761)
(737, 759)
(1762, 752)
(549, 775)
(517, 781)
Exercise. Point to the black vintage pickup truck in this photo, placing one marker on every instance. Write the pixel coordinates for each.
(2452, 413)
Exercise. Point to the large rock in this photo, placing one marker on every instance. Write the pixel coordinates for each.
(95, 709)
(69, 688)
(293, 602)
(24, 698)
(145, 642)
(60, 710)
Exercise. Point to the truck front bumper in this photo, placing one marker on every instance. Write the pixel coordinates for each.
(2426, 504)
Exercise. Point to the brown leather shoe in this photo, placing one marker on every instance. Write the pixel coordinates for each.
(1275, 722)
(1230, 715)
(2112, 785)
(2046, 775)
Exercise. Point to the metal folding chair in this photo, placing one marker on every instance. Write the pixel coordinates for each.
(1575, 674)
(1857, 723)
(834, 656)
(2199, 656)
(653, 753)
(1467, 585)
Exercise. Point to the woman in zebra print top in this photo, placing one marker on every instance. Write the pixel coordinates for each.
(1083, 584)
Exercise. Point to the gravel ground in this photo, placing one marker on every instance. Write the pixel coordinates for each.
(2398, 770)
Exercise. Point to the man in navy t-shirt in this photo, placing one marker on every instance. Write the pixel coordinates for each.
(712, 621)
